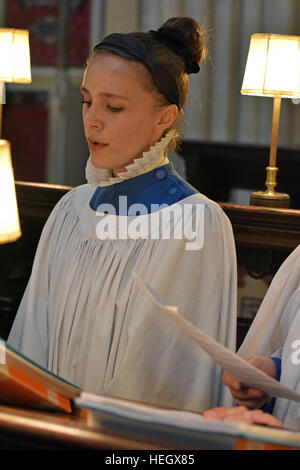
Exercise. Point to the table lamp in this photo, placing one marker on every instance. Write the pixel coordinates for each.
(15, 60)
(14, 67)
(10, 229)
(272, 69)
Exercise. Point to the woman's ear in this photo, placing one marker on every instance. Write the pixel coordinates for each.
(167, 116)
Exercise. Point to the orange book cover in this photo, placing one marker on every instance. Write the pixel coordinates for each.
(25, 383)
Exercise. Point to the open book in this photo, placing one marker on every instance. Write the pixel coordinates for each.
(24, 383)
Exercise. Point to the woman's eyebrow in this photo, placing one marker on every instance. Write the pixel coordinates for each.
(106, 94)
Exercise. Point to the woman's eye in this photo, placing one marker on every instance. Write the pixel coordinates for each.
(114, 109)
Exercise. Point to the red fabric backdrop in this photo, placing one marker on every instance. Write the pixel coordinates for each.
(25, 126)
(40, 17)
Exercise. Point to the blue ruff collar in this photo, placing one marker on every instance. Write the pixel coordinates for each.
(163, 185)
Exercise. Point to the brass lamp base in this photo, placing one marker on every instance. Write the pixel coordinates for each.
(270, 198)
(264, 198)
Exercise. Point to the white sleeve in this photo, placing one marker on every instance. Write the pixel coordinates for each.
(29, 333)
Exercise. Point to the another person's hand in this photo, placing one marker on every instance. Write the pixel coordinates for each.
(248, 396)
(242, 414)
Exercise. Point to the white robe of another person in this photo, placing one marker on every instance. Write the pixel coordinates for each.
(275, 331)
(85, 318)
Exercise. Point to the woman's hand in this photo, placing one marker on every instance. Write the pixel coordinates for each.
(247, 396)
(242, 414)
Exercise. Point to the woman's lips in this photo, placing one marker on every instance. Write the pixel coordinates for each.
(94, 145)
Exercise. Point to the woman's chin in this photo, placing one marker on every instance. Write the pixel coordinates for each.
(99, 162)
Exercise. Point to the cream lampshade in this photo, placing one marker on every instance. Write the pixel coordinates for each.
(272, 69)
(15, 56)
(14, 67)
(10, 229)
(14, 60)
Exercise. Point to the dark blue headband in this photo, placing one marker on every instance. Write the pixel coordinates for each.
(130, 47)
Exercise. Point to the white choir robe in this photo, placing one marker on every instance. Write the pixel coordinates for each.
(85, 318)
(276, 332)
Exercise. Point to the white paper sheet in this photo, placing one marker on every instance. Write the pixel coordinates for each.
(235, 365)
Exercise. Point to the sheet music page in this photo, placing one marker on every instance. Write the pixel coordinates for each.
(235, 365)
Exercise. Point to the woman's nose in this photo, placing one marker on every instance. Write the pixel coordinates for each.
(92, 118)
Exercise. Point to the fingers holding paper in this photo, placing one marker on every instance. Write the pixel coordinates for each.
(247, 396)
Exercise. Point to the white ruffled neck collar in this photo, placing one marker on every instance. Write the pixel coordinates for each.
(153, 158)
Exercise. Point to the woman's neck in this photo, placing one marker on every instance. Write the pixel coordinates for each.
(151, 159)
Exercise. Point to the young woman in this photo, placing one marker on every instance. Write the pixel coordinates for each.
(82, 315)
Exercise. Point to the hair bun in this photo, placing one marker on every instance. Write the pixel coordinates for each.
(184, 36)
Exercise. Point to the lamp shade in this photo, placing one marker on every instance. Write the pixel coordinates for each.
(9, 217)
(14, 56)
(273, 66)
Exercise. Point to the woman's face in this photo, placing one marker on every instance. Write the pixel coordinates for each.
(121, 119)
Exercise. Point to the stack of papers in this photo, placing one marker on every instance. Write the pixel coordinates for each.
(176, 426)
